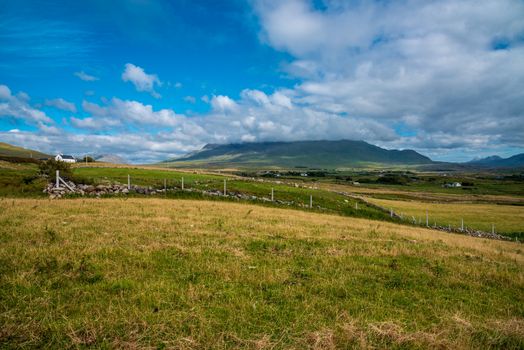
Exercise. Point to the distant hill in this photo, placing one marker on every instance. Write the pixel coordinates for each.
(312, 154)
(7, 150)
(110, 158)
(515, 161)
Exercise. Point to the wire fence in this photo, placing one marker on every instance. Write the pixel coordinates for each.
(285, 194)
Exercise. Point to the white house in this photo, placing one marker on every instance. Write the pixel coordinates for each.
(453, 184)
(65, 158)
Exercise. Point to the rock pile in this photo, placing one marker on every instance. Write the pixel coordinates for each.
(115, 189)
(98, 190)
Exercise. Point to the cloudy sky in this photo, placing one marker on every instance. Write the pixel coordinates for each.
(150, 80)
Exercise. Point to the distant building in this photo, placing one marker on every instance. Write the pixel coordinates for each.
(453, 184)
(65, 158)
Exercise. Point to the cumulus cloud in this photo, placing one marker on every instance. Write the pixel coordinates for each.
(85, 77)
(364, 70)
(17, 107)
(433, 66)
(62, 104)
(190, 99)
(48, 129)
(256, 116)
(95, 123)
(141, 80)
(223, 103)
(130, 113)
(136, 147)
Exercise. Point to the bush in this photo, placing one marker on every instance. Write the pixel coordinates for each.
(393, 179)
(49, 168)
(88, 159)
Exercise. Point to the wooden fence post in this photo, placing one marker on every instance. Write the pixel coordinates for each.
(182, 182)
(310, 201)
(57, 178)
(427, 219)
(272, 194)
(225, 187)
(128, 181)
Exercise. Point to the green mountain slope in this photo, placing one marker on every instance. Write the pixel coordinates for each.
(325, 154)
(516, 161)
(7, 150)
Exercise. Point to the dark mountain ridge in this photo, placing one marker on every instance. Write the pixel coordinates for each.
(302, 153)
(515, 161)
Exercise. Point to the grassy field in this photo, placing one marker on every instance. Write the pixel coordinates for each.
(21, 180)
(14, 151)
(508, 219)
(386, 192)
(482, 186)
(157, 273)
(328, 201)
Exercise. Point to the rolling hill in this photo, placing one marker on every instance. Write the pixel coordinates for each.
(7, 150)
(137, 273)
(111, 158)
(515, 161)
(313, 154)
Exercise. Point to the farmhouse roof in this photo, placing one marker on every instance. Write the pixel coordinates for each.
(65, 156)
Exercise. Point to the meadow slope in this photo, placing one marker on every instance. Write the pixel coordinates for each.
(185, 274)
(506, 218)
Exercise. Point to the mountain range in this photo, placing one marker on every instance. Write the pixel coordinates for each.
(307, 154)
(110, 158)
(499, 162)
(322, 154)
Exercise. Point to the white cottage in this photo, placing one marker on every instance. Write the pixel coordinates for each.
(65, 158)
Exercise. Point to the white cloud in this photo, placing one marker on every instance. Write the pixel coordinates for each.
(364, 71)
(128, 113)
(141, 80)
(49, 129)
(85, 77)
(190, 99)
(429, 65)
(223, 103)
(95, 123)
(255, 117)
(17, 107)
(62, 104)
(5, 92)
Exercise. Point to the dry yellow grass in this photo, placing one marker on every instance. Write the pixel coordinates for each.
(506, 218)
(155, 167)
(423, 196)
(154, 273)
(15, 166)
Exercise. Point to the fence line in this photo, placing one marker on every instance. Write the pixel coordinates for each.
(215, 184)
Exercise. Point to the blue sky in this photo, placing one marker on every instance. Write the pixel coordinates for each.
(150, 80)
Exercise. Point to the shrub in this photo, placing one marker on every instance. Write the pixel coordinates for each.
(88, 159)
(393, 179)
(49, 168)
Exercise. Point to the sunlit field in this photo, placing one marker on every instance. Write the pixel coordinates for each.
(507, 219)
(160, 273)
